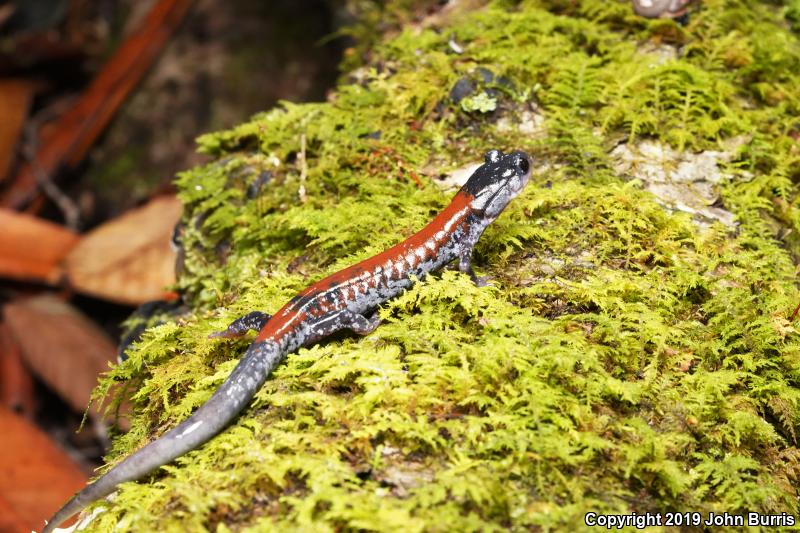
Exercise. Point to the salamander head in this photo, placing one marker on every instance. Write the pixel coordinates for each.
(498, 181)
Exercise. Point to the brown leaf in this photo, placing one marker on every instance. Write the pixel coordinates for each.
(36, 477)
(32, 249)
(15, 99)
(10, 521)
(61, 346)
(129, 259)
(16, 383)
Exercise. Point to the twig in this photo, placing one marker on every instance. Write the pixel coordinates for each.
(77, 129)
(794, 315)
(301, 192)
(68, 208)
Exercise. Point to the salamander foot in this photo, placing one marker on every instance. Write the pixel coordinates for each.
(255, 321)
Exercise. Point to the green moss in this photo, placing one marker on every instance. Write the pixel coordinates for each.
(624, 361)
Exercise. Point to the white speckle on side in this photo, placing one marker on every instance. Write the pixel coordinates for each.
(507, 173)
(420, 253)
(439, 235)
(409, 257)
(455, 218)
(190, 429)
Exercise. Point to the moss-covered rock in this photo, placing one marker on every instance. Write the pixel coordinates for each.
(626, 360)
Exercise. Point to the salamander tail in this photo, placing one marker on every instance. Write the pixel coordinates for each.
(209, 419)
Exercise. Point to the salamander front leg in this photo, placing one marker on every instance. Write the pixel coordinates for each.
(465, 266)
(255, 321)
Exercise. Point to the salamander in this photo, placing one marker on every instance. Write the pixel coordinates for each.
(347, 299)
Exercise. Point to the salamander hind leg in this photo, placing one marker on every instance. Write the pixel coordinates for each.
(465, 266)
(339, 320)
(255, 321)
(360, 324)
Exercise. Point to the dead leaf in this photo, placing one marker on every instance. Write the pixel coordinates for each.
(15, 100)
(61, 346)
(36, 477)
(129, 259)
(10, 521)
(16, 383)
(31, 248)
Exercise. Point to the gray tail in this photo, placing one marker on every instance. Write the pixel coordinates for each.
(227, 402)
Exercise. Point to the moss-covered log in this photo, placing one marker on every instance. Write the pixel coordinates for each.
(633, 354)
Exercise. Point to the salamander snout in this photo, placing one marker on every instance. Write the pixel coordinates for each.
(499, 180)
(522, 163)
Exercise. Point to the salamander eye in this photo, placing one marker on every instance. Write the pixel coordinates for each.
(523, 164)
